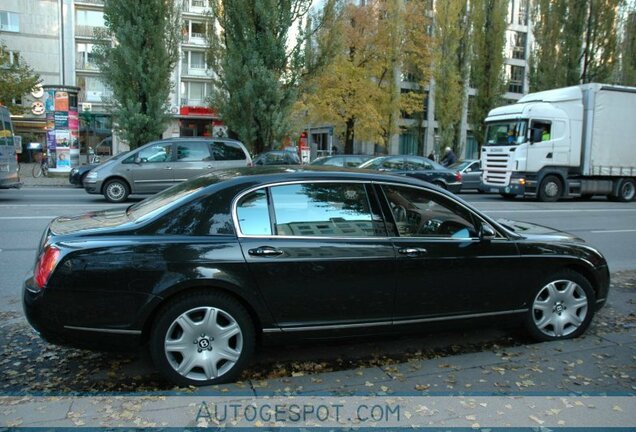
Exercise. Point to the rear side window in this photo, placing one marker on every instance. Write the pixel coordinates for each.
(324, 210)
(224, 151)
(193, 152)
(253, 214)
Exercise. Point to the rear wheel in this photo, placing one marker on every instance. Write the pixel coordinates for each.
(561, 308)
(202, 339)
(37, 170)
(626, 190)
(116, 191)
(551, 189)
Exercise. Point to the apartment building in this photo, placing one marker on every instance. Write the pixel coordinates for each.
(56, 38)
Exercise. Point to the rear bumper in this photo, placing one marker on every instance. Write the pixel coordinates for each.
(10, 182)
(454, 187)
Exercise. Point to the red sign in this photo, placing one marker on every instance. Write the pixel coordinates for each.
(197, 111)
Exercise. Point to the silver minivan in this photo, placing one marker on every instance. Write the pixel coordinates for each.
(161, 164)
(9, 175)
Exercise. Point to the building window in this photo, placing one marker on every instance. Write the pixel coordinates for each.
(511, 12)
(9, 21)
(515, 75)
(84, 57)
(195, 93)
(522, 18)
(93, 89)
(87, 21)
(516, 48)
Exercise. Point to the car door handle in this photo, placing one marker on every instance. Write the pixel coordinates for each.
(412, 251)
(265, 251)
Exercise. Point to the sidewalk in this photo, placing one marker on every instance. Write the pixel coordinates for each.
(54, 179)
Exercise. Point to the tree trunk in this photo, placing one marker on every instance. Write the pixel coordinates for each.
(349, 135)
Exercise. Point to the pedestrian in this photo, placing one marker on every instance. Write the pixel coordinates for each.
(449, 157)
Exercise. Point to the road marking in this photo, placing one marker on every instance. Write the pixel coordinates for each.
(613, 231)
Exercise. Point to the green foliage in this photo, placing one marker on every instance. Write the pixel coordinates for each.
(575, 42)
(489, 28)
(258, 67)
(136, 56)
(627, 71)
(16, 79)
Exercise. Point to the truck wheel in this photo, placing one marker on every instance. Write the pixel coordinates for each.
(626, 190)
(551, 189)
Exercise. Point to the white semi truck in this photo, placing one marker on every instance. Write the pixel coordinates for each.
(570, 142)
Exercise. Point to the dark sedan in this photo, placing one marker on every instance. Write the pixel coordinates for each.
(277, 157)
(348, 161)
(201, 271)
(418, 167)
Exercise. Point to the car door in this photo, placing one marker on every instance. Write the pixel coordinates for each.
(193, 159)
(471, 177)
(443, 267)
(319, 253)
(151, 168)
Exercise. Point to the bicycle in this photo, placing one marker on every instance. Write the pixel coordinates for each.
(41, 168)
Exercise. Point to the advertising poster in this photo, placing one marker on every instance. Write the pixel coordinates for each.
(62, 139)
(61, 101)
(75, 140)
(49, 101)
(63, 157)
(50, 141)
(73, 120)
(61, 119)
(50, 121)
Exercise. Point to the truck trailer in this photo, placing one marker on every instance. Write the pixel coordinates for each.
(575, 141)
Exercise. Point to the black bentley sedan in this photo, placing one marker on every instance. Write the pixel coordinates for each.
(201, 271)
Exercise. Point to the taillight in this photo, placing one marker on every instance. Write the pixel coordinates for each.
(46, 264)
(458, 176)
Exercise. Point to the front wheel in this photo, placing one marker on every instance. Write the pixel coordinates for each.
(551, 189)
(116, 191)
(37, 170)
(561, 308)
(202, 339)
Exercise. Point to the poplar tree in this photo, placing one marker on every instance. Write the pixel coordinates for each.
(489, 29)
(259, 65)
(16, 79)
(627, 70)
(136, 55)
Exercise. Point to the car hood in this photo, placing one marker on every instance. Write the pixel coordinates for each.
(89, 221)
(538, 232)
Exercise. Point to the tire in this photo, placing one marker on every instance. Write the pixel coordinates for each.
(199, 320)
(561, 307)
(116, 191)
(508, 196)
(551, 189)
(37, 170)
(626, 190)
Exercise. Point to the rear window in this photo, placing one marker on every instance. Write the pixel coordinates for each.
(223, 151)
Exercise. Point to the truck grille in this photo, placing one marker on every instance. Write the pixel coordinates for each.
(496, 169)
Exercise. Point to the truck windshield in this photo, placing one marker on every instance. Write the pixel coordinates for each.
(506, 133)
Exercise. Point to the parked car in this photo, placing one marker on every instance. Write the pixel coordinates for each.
(419, 167)
(203, 270)
(161, 164)
(349, 161)
(9, 169)
(470, 170)
(277, 157)
(78, 174)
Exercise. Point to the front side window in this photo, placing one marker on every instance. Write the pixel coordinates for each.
(418, 213)
(324, 210)
(155, 154)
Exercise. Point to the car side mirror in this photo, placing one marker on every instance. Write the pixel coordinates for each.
(487, 233)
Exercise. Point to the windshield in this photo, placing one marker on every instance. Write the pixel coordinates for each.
(170, 196)
(511, 132)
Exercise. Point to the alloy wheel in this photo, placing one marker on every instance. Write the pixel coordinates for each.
(560, 308)
(203, 343)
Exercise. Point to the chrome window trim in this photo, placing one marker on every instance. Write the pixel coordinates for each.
(104, 330)
(240, 234)
(395, 322)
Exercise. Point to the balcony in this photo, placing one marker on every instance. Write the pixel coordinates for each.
(193, 102)
(90, 2)
(86, 31)
(200, 7)
(195, 70)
